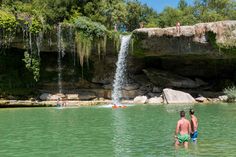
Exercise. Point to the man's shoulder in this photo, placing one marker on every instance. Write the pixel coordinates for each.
(187, 120)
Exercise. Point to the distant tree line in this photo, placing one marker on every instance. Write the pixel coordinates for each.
(201, 11)
(130, 14)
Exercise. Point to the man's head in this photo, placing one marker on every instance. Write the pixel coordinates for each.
(182, 114)
(191, 111)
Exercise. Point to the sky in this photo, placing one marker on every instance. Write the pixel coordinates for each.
(159, 5)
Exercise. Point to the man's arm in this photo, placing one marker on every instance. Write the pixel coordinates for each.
(177, 129)
(189, 128)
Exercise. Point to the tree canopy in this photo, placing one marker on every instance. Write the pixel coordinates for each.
(127, 13)
(201, 11)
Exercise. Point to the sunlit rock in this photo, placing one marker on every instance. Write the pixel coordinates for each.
(174, 96)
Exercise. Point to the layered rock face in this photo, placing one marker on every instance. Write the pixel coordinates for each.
(161, 58)
(196, 39)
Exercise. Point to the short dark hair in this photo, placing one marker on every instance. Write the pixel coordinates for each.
(191, 111)
(182, 114)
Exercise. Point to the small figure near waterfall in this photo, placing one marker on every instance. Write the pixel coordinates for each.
(115, 27)
(64, 103)
(182, 131)
(59, 102)
(115, 106)
(178, 28)
(141, 24)
(194, 126)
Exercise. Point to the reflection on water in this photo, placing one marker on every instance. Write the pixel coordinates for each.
(120, 140)
(176, 108)
(135, 131)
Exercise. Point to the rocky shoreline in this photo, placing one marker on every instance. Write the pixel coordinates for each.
(168, 96)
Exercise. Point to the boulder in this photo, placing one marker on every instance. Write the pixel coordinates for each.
(201, 99)
(223, 98)
(155, 100)
(140, 100)
(45, 96)
(72, 96)
(174, 96)
(56, 96)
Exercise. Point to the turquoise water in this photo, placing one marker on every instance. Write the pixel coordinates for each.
(137, 131)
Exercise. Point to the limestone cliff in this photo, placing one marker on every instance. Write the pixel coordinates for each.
(197, 39)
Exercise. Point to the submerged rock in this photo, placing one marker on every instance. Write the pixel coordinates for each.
(174, 97)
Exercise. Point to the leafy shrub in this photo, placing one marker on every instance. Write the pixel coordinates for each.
(32, 63)
(231, 93)
(90, 29)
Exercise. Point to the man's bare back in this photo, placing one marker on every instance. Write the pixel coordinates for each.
(184, 126)
(182, 131)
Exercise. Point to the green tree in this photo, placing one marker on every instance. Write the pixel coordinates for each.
(182, 4)
(214, 10)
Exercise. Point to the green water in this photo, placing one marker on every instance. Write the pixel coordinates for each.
(137, 131)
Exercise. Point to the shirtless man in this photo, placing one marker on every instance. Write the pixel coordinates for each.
(194, 126)
(182, 131)
(178, 28)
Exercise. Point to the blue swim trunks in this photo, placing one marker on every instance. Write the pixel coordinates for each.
(194, 136)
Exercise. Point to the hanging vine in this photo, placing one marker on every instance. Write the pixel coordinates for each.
(88, 32)
(33, 33)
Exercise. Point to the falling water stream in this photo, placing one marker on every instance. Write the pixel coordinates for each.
(61, 50)
(120, 70)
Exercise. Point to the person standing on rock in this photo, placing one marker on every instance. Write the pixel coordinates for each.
(194, 126)
(178, 28)
(182, 131)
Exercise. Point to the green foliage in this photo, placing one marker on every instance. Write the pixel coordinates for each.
(8, 25)
(89, 28)
(32, 63)
(201, 11)
(7, 21)
(231, 93)
(212, 39)
(35, 26)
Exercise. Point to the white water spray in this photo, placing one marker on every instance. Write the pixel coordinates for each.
(61, 49)
(120, 70)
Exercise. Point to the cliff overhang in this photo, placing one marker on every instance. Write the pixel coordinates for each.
(200, 38)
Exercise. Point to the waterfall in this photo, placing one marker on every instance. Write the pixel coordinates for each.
(72, 42)
(39, 40)
(120, 70)
(61, 49)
